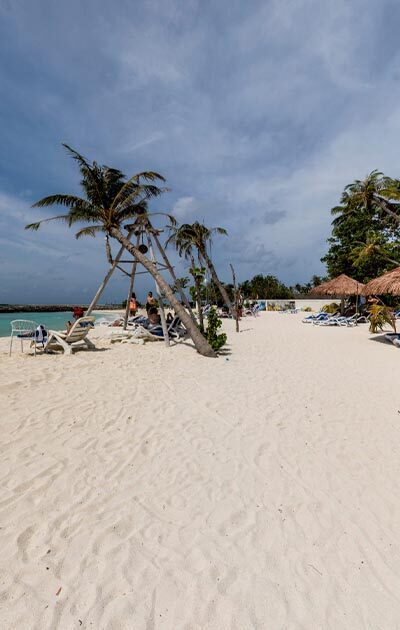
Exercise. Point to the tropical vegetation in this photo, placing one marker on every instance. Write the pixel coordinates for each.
(214, 323)
(379, 316)
(365, 236)
(110, 205)
(195, 239)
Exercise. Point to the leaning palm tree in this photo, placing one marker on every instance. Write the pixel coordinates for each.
(197, 236)
(374, 192)
(110, 203)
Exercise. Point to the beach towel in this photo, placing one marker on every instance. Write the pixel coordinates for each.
(41, 334)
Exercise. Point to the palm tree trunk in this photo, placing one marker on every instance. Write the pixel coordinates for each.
(386, 207)
(201, 344)
(217, 281)
(108, 251)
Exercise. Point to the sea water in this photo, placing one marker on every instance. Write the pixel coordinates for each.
(51, 321)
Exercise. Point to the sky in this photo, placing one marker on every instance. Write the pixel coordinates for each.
(257, 113)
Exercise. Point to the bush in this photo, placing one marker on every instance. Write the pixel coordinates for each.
(331, 308)
(215, 340)
(379, 316)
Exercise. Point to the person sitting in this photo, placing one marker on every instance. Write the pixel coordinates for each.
(151, 301)
(153, 316)
(77, 312)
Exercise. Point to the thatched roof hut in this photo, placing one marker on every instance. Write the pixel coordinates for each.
(339, 287)
(389, 283)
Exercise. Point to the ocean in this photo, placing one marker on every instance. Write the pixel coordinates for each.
(52, 321)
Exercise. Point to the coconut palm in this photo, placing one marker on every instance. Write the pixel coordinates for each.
(196, 236)
(373, 246)
(185, 248)
(110, 202)
(374, 192)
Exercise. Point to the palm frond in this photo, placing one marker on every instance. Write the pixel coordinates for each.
(59, 200)
(220, 230)
(89, 231)
(89, 174)
(140, 193)
(172, 219)
(35, 226)
(133, 188)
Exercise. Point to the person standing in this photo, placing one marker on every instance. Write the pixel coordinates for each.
(151, 302)
(133, 305)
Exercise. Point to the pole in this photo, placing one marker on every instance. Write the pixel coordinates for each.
(235, 297)
(103, 285)
(160, 298)
(172, 272)
(357, 306)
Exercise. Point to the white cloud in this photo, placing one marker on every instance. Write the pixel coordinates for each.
(185, 208)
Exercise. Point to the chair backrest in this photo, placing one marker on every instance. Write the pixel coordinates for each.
(20, 326)
(175, 323)
(80, 329)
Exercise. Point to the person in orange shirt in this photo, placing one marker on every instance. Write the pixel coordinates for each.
(133, 305)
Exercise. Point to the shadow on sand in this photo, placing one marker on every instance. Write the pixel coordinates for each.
(381, 338)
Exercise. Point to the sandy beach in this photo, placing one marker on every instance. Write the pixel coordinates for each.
(146, 488)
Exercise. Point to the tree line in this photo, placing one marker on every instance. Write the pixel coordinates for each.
(365, 239)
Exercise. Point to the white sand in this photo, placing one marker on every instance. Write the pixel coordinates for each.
(153, 489)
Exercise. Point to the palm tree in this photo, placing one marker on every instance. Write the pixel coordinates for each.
(109, 203)
(185, 248)
(373, 246)
(376, 191)
(197, 236)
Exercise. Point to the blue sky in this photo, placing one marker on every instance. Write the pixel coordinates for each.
(257, 113)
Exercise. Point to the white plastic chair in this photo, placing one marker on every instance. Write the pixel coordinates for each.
(69, 340)
(23, 329)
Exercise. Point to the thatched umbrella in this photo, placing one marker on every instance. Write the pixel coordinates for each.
(341, 286)
(389, 283)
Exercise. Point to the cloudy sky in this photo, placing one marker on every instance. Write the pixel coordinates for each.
(257, 113)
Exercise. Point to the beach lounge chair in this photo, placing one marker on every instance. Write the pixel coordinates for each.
(335, 320)
(23, 329)
(252, 311)
(68, 341)
(322, 316)
(138, 320)
(206, 309)
(342, 320)
(394, 338)
(175, 329)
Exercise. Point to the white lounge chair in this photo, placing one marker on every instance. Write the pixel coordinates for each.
(252, 311)
(23, 329)
(68, 341)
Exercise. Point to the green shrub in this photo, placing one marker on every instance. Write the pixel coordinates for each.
(379, 316)
(331, 308)
(215, 340)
